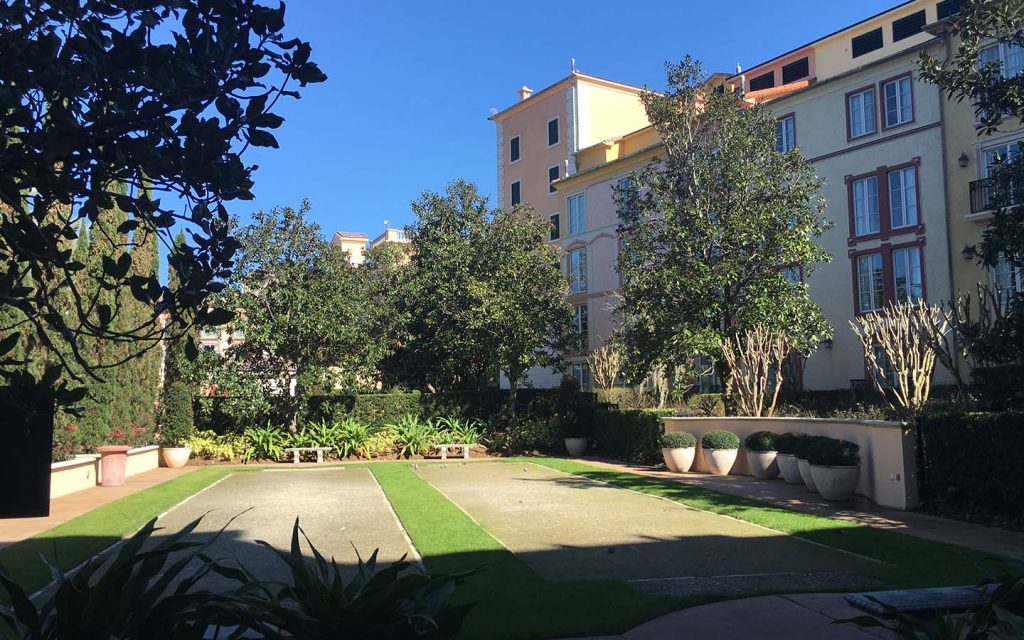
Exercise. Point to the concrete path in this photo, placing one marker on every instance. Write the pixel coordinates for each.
(341, 510)
(75, 504)
(786, 617)
(973, 536)
(570, 528)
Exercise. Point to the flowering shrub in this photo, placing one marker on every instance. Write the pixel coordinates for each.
(133, 436)
(66, 443)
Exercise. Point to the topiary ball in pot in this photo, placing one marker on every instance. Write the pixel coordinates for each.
(761, 454)
(785, 447)
(803, 448)
(720, 449)
(678, 448)
(835, 468)
(177, 425)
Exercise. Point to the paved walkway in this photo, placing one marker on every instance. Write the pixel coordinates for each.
(785, 617)
(75, 504)
(797, 497)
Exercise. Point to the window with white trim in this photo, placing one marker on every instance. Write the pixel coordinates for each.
(581, 324)
(870, 282)
(861, 109)
(884, 372)
(785, 134)
(578, 269)
(555, 226)
(906, 273)
(1009, 57)
(554, 173)
(899, 102)
(553, 132)
(865, 205)
(577, 207)
(707, 377)
(209, 332)
(903, 198)
(580, 371)
(513, 149)
(516, 193)
(999, 155)
(1007, 280)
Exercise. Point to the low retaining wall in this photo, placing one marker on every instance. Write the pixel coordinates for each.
(888, 462)
(85, 471)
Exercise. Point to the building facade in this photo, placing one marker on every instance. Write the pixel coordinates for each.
(905, 176)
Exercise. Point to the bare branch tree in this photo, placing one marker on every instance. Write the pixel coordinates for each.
(605, 366)
(755, 361)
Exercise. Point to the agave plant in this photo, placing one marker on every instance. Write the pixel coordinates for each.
(460, 430)
(143, 592)
(396, 602)
(321, 434)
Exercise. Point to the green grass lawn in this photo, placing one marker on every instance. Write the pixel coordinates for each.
(511, 599)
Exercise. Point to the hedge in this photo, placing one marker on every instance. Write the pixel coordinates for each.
(630, 436)
(999, 388)
(970, 466)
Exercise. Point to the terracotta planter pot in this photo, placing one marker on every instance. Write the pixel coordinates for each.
(720, 461)
(113, 460)
(175, 457)
(836, 484)
(763, 464)
(788, 468)
(805, 474)
(679, 460)
(577, 446)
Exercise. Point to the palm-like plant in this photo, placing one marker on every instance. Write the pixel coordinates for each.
(413, 435)
(352, 438)
(453, 429)
(267, 442)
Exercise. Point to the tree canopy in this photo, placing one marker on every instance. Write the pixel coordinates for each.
(143, 107)
(711, 229)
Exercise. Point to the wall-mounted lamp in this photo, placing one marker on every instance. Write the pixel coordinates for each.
(827, 343)
(963, 160)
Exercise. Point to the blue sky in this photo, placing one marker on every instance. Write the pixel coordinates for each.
(411, 84)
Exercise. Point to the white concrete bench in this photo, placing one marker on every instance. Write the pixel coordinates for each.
(447, 447)
(297, 453)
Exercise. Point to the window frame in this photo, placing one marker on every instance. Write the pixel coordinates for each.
(558, 131)
(574, 287)
(920, 265)
(914, 171)
(886, 251)
(555, 232)
(884, 111)
(1001, 46)
(552, 189)
(791, 116)
(873, 90)
(878, 205)
(582, 196)
(581, 323)
(515, 185)
(858, 308)
(885, 228)
(519, 148)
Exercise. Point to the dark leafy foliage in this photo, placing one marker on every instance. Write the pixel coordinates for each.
(831, 452)
(678, 440)
(970, 466)
(631, 436)
(762, 441)
(787, 442)
(178, 420)
(804, 445)
(117, 103)
(720, 439)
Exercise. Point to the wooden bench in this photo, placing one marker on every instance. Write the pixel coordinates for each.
(297, 453)
(445, 447)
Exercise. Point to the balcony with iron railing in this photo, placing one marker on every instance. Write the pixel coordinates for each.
(981, 195)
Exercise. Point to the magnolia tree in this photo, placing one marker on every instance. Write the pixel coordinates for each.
(718, 234)
(755, 362)
(147, 107)
(899, 346)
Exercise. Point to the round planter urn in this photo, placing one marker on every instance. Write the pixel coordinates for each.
(720, 461)
(763, 464)
(679, 460)
(788, 468)
(113, 461)
(805, 474)
(577, 446)
(836, 484)
(175, 457)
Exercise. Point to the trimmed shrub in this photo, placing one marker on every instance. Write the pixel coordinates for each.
(999, 388)
(970, 466)
(630, 436)
(761, 442)
(371, 409)
(787, 442)
(678, 440)
(528, 435)
(720, 439)
(830, 452)
(207, 445)
(804, 446)
(178, 419)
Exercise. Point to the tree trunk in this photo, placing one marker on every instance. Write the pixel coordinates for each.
(513, 380)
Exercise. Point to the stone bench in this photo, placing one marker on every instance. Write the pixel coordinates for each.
(916, 601)
(444, 448)
(297, 453)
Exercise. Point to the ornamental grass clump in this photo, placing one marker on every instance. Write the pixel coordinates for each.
(830, 452)
(786, 443)
(762, 442)
(720, 440)
(678, 440)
